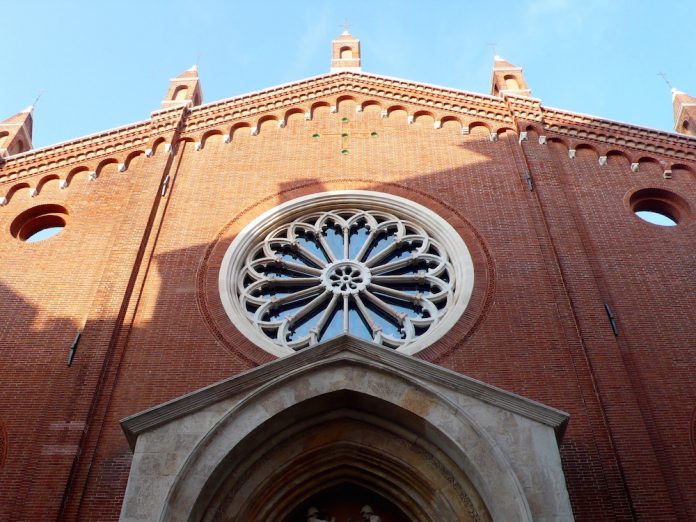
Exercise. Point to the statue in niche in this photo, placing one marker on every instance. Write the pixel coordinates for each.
(314, 515)
(369, 515)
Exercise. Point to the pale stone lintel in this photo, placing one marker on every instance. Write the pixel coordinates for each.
(571, 153)
(635, 167)
(384, 113)
(542, 140)
(602, 160)
(437, 124)
(523, 136)
(308, 116)
(667, 174)
(358, 108)
(465, 130)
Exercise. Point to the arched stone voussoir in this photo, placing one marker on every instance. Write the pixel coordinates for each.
(185, 448)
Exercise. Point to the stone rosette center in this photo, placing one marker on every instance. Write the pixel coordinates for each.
(346, 277)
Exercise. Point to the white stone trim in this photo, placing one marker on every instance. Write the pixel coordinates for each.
(440, 230)
(510, 456)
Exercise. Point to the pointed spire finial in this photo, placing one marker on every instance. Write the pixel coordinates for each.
(30, 108)
(494, 48)
(664, 77)
(345, 26)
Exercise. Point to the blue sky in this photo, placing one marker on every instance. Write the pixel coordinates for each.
(105, 64)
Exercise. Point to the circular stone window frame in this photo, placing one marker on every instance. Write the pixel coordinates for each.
(440, 230)
(38, 218)
(660, 201)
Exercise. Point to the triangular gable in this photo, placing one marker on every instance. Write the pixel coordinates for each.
(341, 347)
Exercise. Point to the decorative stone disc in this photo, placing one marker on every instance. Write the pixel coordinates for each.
(368, 264)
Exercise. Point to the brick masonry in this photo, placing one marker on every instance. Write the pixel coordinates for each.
(135, 272)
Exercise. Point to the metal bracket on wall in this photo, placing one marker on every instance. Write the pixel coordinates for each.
(528, 178)
(73, 347)
(165, 185)
(612, 320)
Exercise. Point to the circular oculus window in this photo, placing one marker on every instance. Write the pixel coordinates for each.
(659, 206)
(39, 223)
(368, 264)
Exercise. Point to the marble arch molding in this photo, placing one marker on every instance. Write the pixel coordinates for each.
(436, 444)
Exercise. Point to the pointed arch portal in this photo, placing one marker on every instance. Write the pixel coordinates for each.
(339, 425)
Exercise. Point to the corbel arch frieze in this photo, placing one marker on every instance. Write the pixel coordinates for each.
(333, 89)
(104, 153)
(199, 127)
(574, 141)
(63, 154)
(640, 143)
(35, 179)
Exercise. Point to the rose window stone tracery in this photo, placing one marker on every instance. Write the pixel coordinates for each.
(381, 270)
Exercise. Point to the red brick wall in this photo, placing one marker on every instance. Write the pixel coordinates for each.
(137, 272)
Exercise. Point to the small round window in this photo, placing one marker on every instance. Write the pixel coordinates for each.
(659, 207)
(39, 223)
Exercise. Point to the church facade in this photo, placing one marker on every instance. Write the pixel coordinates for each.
(352, 297)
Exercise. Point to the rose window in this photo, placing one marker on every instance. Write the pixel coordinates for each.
(378, 274)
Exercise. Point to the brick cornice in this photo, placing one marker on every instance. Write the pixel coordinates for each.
(369, 87)
(297, 94)
(617, 133)
(302, 94)
(357, 80)
(79, 145)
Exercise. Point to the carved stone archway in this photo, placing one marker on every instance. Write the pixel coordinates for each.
(343, 438)
(437, 444)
